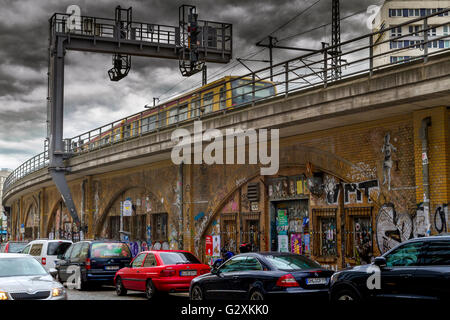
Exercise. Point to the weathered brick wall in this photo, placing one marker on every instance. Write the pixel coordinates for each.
(352, 155)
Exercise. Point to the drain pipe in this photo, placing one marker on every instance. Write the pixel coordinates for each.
(180, 204)
(426, 122)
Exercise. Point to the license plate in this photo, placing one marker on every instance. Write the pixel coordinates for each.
(312, 281)
(188, 273)
(112, 268)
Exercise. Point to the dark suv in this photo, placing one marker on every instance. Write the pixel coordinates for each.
(96, 261)
(417, 269)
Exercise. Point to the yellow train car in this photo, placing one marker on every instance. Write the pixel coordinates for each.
(225, 93)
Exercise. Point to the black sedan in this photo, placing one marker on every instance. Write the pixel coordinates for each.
(257, 276)
(417, 269)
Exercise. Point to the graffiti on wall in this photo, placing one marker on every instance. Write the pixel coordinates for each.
(392, 227)
(356, 189)
(441, 218)
(387, 150)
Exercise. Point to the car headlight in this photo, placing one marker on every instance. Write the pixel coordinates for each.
(3, 295)
(56, 292)
(334, 278)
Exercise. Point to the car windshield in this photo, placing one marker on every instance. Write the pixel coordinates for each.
(15, 247)
(110, 250)
(57, 248)
(15, 267)
(178, 258)
(291, 262)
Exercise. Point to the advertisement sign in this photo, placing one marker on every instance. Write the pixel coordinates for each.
(282, 222)
(216, 246)
(306, 240)
(127, 208)
(22, 228)
(209, 245)
(296, 243)
(283, 243)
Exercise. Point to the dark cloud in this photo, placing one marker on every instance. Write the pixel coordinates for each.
(91, 99)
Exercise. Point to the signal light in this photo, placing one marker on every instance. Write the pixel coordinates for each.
(44, 261)
(88, 264)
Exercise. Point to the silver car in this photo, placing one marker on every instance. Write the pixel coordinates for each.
(23, 278)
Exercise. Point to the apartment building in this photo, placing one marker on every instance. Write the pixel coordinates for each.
(407, 41)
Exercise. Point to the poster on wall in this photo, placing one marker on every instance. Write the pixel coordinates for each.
(216, 246)
(283, 243)
(209, 245)
(306, 240)
(296, 243)
(282, 222)
(127, 208)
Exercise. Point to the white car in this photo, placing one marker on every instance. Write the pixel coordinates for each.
(23, 278)
(47, 251)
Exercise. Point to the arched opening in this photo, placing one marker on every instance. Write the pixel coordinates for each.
(134, 214)
(31, 223)
(60, 224)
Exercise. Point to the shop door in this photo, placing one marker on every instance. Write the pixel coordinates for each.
(229, 231)
(251, 230)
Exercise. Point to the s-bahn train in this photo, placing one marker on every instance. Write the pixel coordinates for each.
(226, 93)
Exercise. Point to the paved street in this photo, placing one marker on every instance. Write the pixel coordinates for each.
(108, 293)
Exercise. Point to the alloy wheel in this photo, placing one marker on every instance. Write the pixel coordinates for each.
(256, 295)
(197, 293)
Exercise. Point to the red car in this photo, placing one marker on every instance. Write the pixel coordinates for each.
(159, 271)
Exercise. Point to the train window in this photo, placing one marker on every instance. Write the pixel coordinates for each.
(242, 91)
(152, 123)
(162, 118)
(127, 131)
(135, 128)
(223, 98)
(195, 107)
(117, 135)
(182, 113)
(173, 115)
(144, 125)
(208, 99)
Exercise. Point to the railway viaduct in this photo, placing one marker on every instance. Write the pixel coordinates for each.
(336, 136)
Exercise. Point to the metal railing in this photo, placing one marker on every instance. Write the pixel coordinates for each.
(213, 35)
(361, 56)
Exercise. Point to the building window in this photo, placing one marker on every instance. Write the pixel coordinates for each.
(173, 115)
(159, 227)
(396, 32)
(359, 234)
(325, 233)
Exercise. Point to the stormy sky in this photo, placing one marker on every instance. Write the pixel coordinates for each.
(92, 100)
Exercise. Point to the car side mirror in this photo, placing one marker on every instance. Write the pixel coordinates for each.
(380, 262)
(53, 272)
(60, 256)
(215, 271)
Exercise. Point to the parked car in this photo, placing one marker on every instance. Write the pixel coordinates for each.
(160, 271)
(13, 246)
(415, 269)
(258, 276)
(47, 251)
(88, 262)
(23, 278)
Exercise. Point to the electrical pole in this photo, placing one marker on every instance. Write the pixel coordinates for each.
(336, 40)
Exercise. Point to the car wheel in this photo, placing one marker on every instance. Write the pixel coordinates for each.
(82, 285)
(150, 290)
(346, 295)
(256, 295)
(120, 289)
(196, 293)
